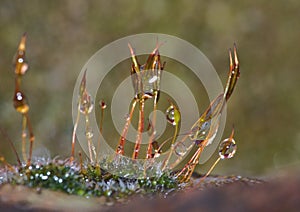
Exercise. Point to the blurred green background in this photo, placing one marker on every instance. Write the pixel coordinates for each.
(63, 35)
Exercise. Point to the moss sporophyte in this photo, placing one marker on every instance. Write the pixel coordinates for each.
(73, 176)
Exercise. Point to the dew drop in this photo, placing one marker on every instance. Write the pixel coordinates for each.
(153, 79)
(200, 132)
(155, 146)
(44, 177)
(227, 148)
(89, 134)
(127, 117)
(180, 149)
(102, 104)
(22, 67)
(173, 115)
(86, 104)
(20, 102)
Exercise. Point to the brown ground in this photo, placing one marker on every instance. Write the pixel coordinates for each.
(215, 194)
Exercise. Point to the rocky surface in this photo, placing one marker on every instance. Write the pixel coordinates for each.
(227, 194)
(216, 193)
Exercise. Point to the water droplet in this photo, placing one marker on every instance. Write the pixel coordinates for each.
(200, 132)
(89, 134)
(102, 104)
(127, 117)
(173, 115)
(180, 149)
(146, 78)
(20, 62)
(43, 177)
(227, 148)
(155, 146)
(20, 102)
(21, 67)
(153, 79)
(148, 83)
(86, 104)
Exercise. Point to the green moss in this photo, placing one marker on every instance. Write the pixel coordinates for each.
(89, 181)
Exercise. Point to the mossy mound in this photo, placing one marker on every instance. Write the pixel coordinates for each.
(85, 180)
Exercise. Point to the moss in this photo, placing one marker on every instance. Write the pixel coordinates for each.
(88, 181)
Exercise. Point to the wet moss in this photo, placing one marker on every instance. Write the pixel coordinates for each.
(89, 180)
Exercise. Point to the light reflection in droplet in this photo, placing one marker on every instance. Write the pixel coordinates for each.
(227, 148)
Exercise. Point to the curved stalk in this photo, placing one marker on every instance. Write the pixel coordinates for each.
(140, 130)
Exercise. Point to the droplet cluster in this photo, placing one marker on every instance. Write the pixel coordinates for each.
(89, 181)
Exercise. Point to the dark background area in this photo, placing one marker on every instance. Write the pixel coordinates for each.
(63, 35)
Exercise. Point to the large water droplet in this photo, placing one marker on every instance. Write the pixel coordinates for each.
(180, 149)
(200, 132)
(227, 148)
(173, 115)
(86, 104)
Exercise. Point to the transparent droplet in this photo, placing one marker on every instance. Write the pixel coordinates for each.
(149, 81)
(20, 102)
(20, 62)
(156, 155)
(146, 83)
(227, 148)
(86, 104)
(173, 115)
(127, 117)
(153, 79)
(200, 132)
(156, 148)
(102, 104)
(180, 149)
(146, 78)
(24, 68)
(89, 134)
(21, 66)
(212, 137)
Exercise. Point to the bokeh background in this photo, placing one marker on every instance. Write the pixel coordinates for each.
(63, 35)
